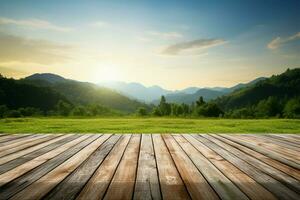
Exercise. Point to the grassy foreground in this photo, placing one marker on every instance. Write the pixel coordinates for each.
(147, 125)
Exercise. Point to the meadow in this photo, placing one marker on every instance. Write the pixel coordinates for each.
(147, 125)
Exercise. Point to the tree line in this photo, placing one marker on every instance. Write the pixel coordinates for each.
(272, 107)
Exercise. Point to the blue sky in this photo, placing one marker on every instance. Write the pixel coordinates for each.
(174, 44)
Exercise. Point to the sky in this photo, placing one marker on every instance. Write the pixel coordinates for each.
(173, 44)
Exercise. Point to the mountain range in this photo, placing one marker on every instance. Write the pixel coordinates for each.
(188, 95)
(44, 91)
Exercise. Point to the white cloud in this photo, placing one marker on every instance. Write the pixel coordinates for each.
(34, 23)
(278, 41)
(165, 35)
(192, 45)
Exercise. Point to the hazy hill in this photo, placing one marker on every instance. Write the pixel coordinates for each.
(283, 86)
(84, 92)
(207, 94)
(188, 96)
(136, 90)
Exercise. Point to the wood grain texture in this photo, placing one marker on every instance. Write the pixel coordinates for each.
(149, 166)
(51, 179)
(221, 184)
(72, 185)
(273, 185)
(122, 184)
(147, 183)
(98, 184)
(172, 186)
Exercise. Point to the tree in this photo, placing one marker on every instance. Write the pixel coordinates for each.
(268, 108)
(29, 111)
(3, 110)
(200, 102)
(164, 107)
(63, 108)
(156, 111)
(292, 108)
(14, 113)
(79, 111)
(141, 111)
(209, 110)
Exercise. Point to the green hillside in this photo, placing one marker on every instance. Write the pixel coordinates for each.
(272, 96)
(85, 93)
(15, 94)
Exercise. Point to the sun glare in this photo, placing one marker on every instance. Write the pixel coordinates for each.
(108, 72)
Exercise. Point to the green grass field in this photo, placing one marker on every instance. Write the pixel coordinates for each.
(147, 125)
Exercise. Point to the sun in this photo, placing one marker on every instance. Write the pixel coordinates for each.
(107, 72)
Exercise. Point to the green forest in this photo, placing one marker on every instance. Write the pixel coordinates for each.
(274, 97)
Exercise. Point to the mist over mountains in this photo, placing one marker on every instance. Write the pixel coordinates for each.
(188, 95)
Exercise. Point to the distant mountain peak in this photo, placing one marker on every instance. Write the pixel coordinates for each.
(52, 78)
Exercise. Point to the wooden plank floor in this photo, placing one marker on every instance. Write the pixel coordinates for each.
(149, 166)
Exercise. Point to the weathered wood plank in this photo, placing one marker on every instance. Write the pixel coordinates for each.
(122, 184)
(172, 186)
(16, 141)
(195, 183)
(281, 141)
(20, 160)
(284, 152)
(275, 145)
(276, 174)
(248, 185)
(147, 183)
(12, 137)
(285, 139)
(263, 151)
(274, 163)
(22, 169)
(221, 184)
(23, 152)
(50, 180)
(31, 142)
(23, 181)
(276, 187)
(72, 185)
(97, 185)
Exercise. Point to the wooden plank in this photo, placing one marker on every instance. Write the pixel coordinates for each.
(37, 140)
(72, 185)
(284, 139)
(263, 151)
(276, 187)
(295, 137)
(11, 137)
(147, 183)
(17, 141)
(195, 183)
(23, 152)
(276, 174)
(274, 163)
(122, 184)
(50, 180)
(221, 184)
(97, 185)
(287, 153)
(52, 145)
(22, 169)
(269, 143)
(172, 186)
(280, 140)
(25, 180)
(248, 185)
